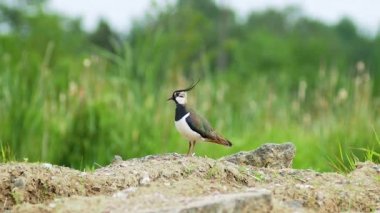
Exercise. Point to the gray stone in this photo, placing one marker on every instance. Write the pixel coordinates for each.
(19, 182)
(268, 155)
(117, 158)
(145, 179)
(257, 200)
(47, 165)
(295, 204)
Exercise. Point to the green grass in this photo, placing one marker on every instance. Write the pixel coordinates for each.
(6, 153)
(66, 102)
(93, 109)
(346, 161)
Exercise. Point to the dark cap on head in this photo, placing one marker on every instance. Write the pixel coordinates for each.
(183, 90)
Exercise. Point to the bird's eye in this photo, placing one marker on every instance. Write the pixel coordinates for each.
(176, 94)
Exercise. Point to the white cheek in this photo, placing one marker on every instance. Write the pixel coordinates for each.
(181, 100)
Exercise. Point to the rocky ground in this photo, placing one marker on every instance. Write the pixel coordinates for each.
(256, 181)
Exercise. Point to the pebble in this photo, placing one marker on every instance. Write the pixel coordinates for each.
(19, 183)
(304, 186)
(124, 193)
(117, 158)
(52, 205)
(144, 180)
(47, 165)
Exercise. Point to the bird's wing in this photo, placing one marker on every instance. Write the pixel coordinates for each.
(199, 124)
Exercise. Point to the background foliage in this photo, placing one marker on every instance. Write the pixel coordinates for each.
(77, 98)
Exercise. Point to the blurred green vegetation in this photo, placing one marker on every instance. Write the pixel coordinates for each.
(78, 98)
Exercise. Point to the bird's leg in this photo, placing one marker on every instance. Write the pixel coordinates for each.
(192, 148)
(188, 151)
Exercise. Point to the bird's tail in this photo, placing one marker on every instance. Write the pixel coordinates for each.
(220, 140)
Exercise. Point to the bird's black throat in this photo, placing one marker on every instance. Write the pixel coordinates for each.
(180, 111)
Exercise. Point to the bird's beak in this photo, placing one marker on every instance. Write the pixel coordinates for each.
(170, 99)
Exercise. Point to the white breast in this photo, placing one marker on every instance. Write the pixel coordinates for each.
(185, 130)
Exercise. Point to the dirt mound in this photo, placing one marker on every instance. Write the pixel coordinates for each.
(38, 183)
(171, 182)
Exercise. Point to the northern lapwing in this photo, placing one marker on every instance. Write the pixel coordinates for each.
(191, 125)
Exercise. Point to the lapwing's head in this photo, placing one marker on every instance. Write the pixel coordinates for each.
(180, 96)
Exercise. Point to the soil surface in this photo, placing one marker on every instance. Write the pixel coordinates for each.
(166, 183)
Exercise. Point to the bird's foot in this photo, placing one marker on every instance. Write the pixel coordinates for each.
(190, 155)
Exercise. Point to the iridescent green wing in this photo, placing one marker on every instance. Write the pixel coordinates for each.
(199, 124)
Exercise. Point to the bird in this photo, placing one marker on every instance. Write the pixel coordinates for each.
(191, 125)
